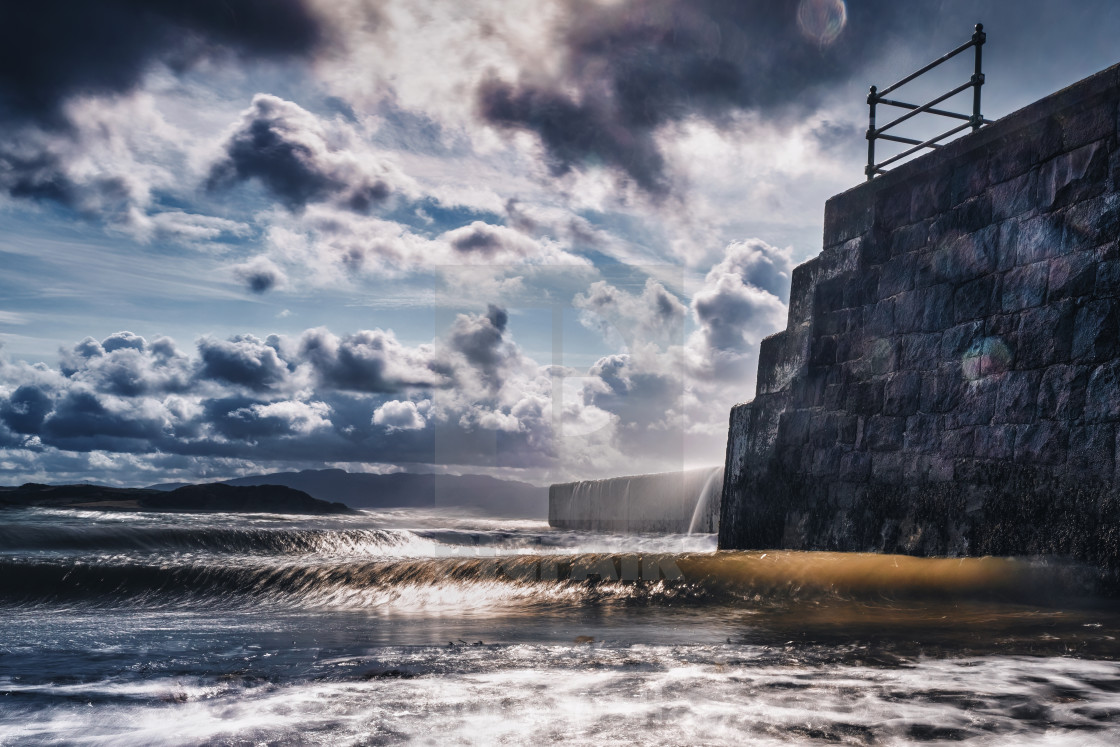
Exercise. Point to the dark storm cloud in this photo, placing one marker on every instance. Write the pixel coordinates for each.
(320, 397)
(481, 339)
(125, 364)
(478, 240)
(634, 66)
(122, 340)
(244, 360)
(25, 409)
(80, 420)
(285, 148)
(53, 49)
(39, 175)
(260, 276)
(240, 418)
(366, 361)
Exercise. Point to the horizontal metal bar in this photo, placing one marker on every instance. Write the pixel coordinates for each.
(898, 139)
(942, 112)
(919, 146)
(925, 107)
(929, 67)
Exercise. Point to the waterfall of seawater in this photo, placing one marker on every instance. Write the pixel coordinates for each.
(669, 502)
(713, 485)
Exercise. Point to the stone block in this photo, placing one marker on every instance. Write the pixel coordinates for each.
(855, 466)
(1014, 197)
(1096, 331)
(941, 389)
(930, 195)
(940, 469)
(888, 468)
(915, 468)
(1061, 392)
(1091, 120)
(856, 370)
(780, 356)
(790, 456)
(1072, 276)
(920, 351)
(1024, 287)
(826, 463)
(822, 351)
(1102, 395)
(938, 313)
(881, 356)
(1074, 176)
(1046, 334)
(831, 322)
(969, 179)
(1050, 139)
(823, 429)
(848, 347)
(802, 285)
(1091, 223)
(1036, 239)
(910, 238)
(876, 247)
(965, 258)
(977, 298)
(1018, 397)
(1045, 442)
(828, 295)
(793, 428)
(1107, 283)
(897, 275)
(958, 442)
(994, 442)
(861, 288)
(847, 428)
(864, 397)
(977, 403)
(923, 433)
(1092, 451)
(902, 393)
(957, 340)
(882, 433)
(1007, 242)
(808, 390)
(972, 214)
(881, 321)
(835, 395)
(892, 206)
(1013, 155)
(847, 215)
(909, 310)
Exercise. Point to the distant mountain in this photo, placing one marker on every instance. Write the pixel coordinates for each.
(406, 490)
(211, 497)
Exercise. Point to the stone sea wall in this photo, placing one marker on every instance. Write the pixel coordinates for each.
(949, 380)
(676, 502)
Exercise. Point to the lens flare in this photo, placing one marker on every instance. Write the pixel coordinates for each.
(822, 20)
(988, 356)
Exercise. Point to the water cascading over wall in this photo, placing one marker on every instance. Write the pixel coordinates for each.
(679, 502)
(949, 380)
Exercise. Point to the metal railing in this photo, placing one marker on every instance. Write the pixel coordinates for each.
(975, 121)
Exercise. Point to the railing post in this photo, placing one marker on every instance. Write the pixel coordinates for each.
(978, 39)
(872, 99)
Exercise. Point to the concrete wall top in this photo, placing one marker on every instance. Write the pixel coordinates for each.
(1009, 147)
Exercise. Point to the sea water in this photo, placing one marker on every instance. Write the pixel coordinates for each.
(431, 628)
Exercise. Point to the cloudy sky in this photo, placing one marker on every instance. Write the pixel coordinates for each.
(535, 239)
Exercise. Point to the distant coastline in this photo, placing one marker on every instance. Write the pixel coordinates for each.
(205, 498)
